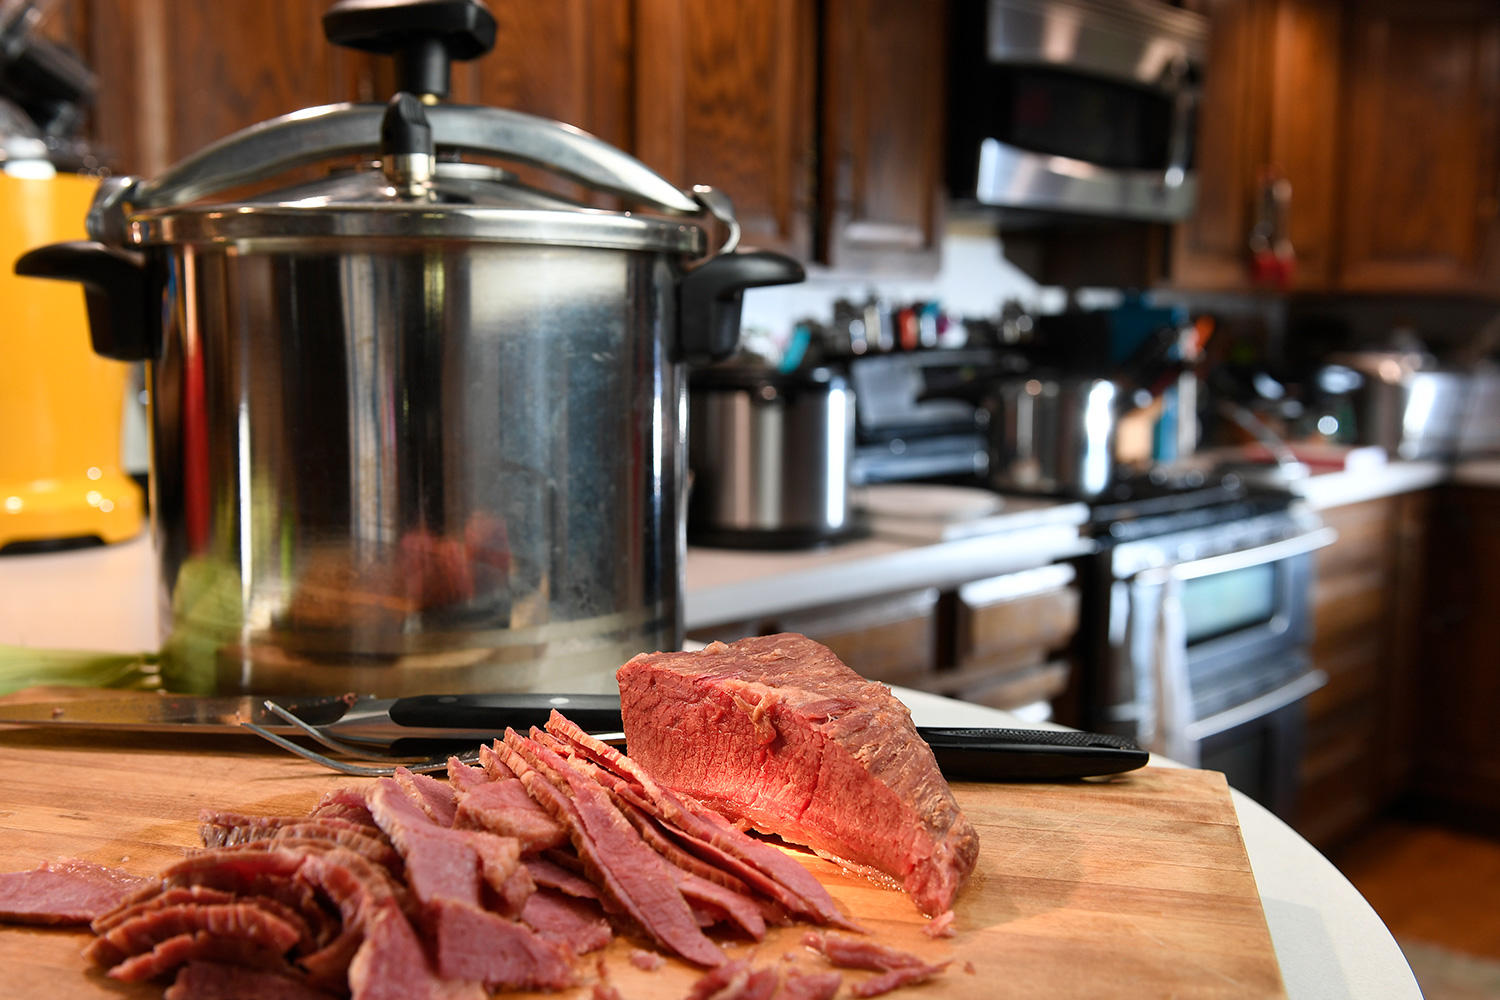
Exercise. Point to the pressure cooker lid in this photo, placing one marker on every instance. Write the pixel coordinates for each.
(419, 176)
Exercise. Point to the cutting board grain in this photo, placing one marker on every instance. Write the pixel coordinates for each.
(1135, 887)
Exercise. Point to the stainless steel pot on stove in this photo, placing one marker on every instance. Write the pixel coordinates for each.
(1051, 434)
(416, 427)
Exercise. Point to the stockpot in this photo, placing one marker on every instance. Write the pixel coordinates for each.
(415, 427)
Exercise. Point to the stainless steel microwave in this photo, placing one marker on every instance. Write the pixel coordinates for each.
(1075, 107)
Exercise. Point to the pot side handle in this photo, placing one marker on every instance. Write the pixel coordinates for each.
(709, 300)
(116, 291)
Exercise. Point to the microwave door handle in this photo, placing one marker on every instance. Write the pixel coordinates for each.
(1179, 142)
(1287, 548)
(1255, 708)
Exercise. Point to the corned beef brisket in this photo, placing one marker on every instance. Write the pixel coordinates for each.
(776, 732)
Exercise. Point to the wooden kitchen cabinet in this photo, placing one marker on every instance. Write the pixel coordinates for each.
(1421, 137)
(1270, 107)
(1384, 116)
(1367, 604)
(880, 206)
(1457, 772)
(724, 96)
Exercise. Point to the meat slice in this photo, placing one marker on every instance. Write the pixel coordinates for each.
(735, 980)
(480, 946)
(199, 946)
(554, 876)
(709, 835)
(887, 981)
(576, 924)
(433, 797)
(808, 985)
(244, 920)
(65, 892)
(776, 732)
(860, 953)
(464, 777)
(390, 965)
(503, 808)
(344, 803)
(437, 867)
(633, 877)
(216, 981)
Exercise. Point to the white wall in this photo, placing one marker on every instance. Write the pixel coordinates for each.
(975, 280)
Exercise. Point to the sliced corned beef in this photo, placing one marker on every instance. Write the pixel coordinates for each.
(721, 904)
(887, 981)
(503, 808)
(463, 776)
(344, 803)
(65, 892)
(198, 947)
(167, 897)
(391, 965)
(633, 877)
(216, 981)
(860, 953)
(433, 797)
(552, 875)
(243, 919)
(708, 835)
(476, 945)
(577, 924)
(808, 985)
(735, 980)
(940, 925)
(647, 961)
(437, 867)
(775, 731)
(220, 828)
(493, 765)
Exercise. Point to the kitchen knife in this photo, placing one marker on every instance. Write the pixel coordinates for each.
(401, 724)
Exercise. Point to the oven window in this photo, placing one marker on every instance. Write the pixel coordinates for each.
(1217, 605)
(1063, 113)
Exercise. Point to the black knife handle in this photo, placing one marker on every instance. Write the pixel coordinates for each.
(1030, 754)
(594, 713)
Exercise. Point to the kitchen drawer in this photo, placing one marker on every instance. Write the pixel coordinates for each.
(1007, 688)
(1353, 665)
(1364, 537)
(1351, 603)
(1016, 618)
(891, 639)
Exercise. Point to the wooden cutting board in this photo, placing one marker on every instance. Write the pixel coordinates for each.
(1136, 887)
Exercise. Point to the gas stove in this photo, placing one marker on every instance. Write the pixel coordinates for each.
(1155, 504)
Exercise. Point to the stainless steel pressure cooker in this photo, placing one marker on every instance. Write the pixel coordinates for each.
(416, 427)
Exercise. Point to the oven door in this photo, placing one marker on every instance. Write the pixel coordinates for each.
(1216, 644)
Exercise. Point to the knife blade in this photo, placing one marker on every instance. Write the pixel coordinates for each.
(392, 723)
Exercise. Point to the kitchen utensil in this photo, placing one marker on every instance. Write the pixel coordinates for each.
(387, 727)
(1048, 433)
(61, 406)
(1073, 882)
(1405, 404)
(770, 453)
(415, 425)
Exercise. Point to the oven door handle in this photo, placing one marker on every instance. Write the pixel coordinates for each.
(1256, 708)
(1260, 555)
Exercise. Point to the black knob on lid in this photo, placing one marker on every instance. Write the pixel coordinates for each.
(404, 130)
(424, 35)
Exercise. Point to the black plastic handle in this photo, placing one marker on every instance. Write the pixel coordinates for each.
(424, 36)
(117, 290)
(493, 712)
(709, 301)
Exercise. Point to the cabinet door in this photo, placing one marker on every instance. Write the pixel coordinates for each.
(568, 60)
(179, 74)
(882, 136)
(725, 96)
(1270, 108)
(1420, 202)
